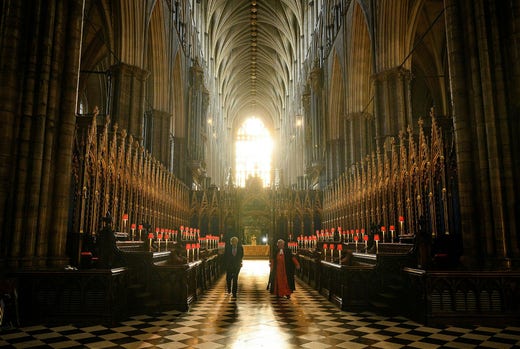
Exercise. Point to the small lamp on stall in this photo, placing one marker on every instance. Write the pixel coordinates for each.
(376, 239)
(125, 219)
(166, 238)
(325, 251)
(188, 247)
(383, 230)
(365, 237)
(132, 227)
(392, 229)
(340, 248)
(401, 223)
(150, 238)
(356, 238)
(140, 231)
(159, 237)
(331, 252)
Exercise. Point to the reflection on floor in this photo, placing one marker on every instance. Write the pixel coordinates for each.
(255, 319)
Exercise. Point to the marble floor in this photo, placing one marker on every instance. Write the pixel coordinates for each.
(255, 319)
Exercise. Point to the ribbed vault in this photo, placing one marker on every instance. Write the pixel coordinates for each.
(253, 47)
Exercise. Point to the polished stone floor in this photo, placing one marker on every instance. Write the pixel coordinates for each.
(255, 319)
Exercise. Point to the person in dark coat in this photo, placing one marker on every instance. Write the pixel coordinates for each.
(283, 264)
(233, 255)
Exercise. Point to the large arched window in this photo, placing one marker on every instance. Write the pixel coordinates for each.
(253, 149)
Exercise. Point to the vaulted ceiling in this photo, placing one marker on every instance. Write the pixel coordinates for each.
(254, 48)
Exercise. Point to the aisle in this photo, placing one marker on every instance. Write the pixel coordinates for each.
(255, 319)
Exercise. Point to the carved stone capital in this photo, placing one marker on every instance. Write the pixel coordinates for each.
(316, 79)
(359, 116)
(123, 69)
(392, 74)
(306, 99)
(197, 76)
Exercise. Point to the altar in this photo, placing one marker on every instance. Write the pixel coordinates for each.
(256, 251)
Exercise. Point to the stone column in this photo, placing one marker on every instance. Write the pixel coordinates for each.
(127, 104)
(307, 136)
(38, 123)
(393, 100)
(316, 82)
(198, 107)
(335, 163)
(160, 133)
(359, 136)
(481, 130)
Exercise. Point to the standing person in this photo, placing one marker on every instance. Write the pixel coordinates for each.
(282, 264)
(233, 254)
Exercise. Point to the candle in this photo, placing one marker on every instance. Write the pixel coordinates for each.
(125, 219)
(140, 230)
(188, 247)
(331, 252)
(376, 239)
(365, 237)
(150, 237)
(340, 248)
(133, 230)
(159, 237)
(356, 238)
(325, 251)
(392, 229)
(401, 223)
(383, 229)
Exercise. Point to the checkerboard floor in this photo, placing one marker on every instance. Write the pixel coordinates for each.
(256, 319)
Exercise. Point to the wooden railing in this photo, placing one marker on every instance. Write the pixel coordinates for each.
(462, 297)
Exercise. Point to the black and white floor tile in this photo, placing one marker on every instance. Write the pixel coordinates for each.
(256, 319)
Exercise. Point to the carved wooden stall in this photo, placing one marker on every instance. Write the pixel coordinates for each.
(410, 185)
(114, 175)
(462, 297)
(176, 286)
(96, 295)
(270, 213)
(360, 279)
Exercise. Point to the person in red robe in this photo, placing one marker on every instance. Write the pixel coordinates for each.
(283, 264)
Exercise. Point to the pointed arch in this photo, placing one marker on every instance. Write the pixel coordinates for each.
(336, 99)
(158, 62)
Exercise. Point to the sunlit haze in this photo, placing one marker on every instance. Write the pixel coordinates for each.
(254, 148)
